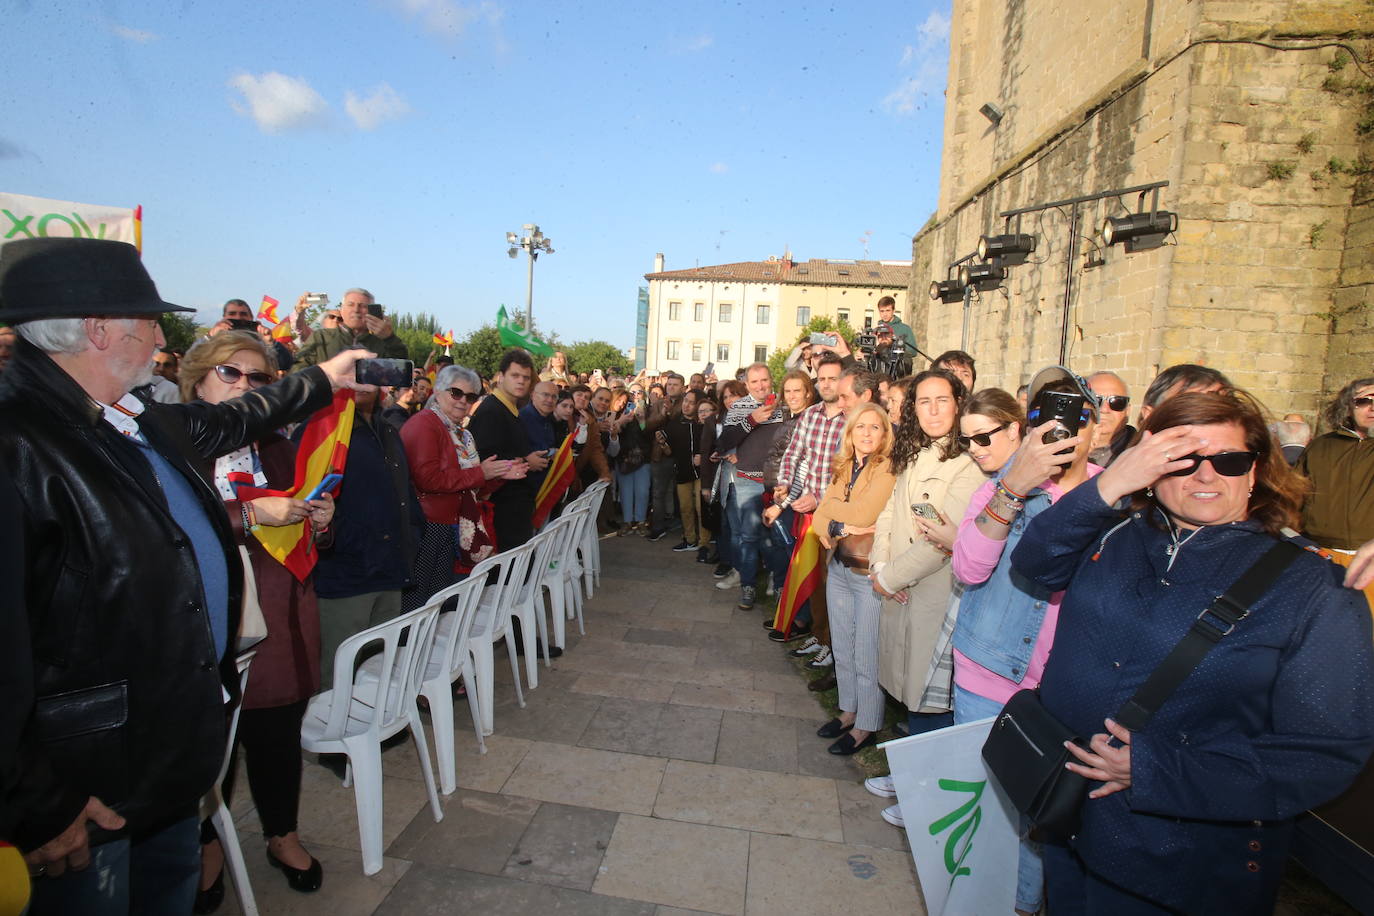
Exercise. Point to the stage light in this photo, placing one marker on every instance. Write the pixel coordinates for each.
(984, 276)
(946, 290)
(1009, 250)
(1140, 231)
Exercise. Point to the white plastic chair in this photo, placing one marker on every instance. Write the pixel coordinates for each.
(447, 659)
(359, 712)
(590, 547)
(212, 806)
(558, 569)
(492, 623)
(523, 598)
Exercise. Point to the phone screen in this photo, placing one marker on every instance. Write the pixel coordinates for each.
(770, 400)
(395, 373)
(374, 309)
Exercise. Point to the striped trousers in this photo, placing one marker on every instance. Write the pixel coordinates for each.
(854, 613)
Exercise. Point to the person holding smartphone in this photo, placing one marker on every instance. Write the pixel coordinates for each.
(361, 324)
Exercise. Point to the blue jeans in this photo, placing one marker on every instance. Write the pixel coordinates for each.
(1030, 869)
(634, 494)
(918, 723)
(778, 552)
(744, 508)
(156, 875)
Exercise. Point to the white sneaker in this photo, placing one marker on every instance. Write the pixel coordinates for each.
(810, 647)
(823, 659)
(881, 786)
(772, 589)
(893, 816)
(730, 581)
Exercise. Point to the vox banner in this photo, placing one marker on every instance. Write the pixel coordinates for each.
(23, 217)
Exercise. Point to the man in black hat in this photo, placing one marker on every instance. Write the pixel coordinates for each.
(131, 601)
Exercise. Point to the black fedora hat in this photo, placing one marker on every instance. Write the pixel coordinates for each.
(73, 278)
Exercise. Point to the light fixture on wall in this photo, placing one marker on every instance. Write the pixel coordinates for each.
(946, 290)
(982, 276)
(1140, 231)
(1009, 249)
(991, 112)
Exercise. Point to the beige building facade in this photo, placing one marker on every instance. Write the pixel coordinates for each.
(1259, 120)
(736, 314)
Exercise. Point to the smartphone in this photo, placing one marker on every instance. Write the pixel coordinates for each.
(710, 367)
(550, 452)
(395, 373)
(770, 400)
(325, 486)
(243, 324)
(926, 511)
(1064, 409)
(374, 309)
(822, 339)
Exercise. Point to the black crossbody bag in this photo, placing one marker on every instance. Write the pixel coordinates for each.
(1025, 750)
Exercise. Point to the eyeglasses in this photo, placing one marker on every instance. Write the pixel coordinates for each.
(231, 374)
(983, 440)
(472, 397)
(1227, 464)
(1363, 402)
(1116, 402)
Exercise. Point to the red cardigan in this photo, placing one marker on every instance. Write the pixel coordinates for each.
(434, 468)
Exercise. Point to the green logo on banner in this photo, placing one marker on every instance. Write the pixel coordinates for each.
(76, 225)
(968, 816)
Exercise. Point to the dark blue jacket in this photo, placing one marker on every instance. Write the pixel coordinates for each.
(1277, 718)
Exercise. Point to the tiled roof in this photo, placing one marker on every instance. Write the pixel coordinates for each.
(815, 272)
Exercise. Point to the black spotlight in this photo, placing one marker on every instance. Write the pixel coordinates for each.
(1140, 231)
(946, 290)
(1008, 249)
(982, 276)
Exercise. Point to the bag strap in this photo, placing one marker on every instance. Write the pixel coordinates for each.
(1216, 620)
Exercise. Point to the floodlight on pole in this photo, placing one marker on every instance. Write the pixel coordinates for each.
(533, 242)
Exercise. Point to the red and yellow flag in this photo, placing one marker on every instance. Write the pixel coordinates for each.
(443, 340)
(323, 450)
(268, 311)
(282, 331)
(557, 479)
(803, 573)
(138, 228)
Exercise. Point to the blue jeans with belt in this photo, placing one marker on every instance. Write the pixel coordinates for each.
(744, 507)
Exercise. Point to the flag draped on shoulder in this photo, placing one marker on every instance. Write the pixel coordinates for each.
(803, 573)
(512, 335)
(557, 479)
(323, 450)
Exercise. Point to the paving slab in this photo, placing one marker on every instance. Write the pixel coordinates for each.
(758, 741)
(814, 757)
(654, 729)
(562, 846)
(478, 833)
(588, 778)
(615, 685)
(658, 637)
(790, 875)
(692, 673)
(682, 865)
(429, 890)
(346, 891)
(329, 814)
(723, 698)
(559, 716)
(750, 799)
(860, 815)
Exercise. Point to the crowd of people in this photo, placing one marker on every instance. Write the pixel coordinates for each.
(933, 547)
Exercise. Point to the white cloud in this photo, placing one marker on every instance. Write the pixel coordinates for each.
(451, 18)
(136, 35)
(720, 168)
(699, 43)
(924, 63)
(382, 104)
(278, 102)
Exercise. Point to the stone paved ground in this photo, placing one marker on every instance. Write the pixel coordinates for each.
(666, 764)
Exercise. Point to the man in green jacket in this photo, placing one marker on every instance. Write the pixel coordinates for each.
(357, 329)
(887, 312)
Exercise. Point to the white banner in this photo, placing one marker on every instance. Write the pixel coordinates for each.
(23, 217)
(961, 828)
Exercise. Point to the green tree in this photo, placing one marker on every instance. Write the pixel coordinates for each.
(777, 361)
(588, 355)
(180, 330)
(417, 333)
(481, 350)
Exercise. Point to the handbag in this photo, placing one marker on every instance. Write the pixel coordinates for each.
(252, 625)
(1025, 749)
(853, 551)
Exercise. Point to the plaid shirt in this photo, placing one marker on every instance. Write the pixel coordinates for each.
(814, 442)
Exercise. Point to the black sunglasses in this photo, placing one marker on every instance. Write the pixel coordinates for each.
(458, 393)
(982, 439)
(231, 374)
(1365, 401)
(1117, 402)
(1227, 464)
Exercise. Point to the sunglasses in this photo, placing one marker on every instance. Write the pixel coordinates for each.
(472, 397)
(1363, 402)
(983, 440)
(231, 374)
(1116, 402)
(1227, 464)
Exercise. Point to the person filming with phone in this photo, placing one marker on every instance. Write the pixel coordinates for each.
(361, 324)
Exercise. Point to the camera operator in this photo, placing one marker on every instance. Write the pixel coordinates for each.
(883, 352)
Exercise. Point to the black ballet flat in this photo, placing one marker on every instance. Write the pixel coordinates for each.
(305, 880)
(846, 745)
(208, 900)
(832, 729)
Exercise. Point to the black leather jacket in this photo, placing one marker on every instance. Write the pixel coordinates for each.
(129, 696)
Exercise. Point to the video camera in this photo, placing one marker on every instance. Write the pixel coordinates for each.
(883, 352)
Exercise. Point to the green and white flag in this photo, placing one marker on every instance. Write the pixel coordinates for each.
(512, 335)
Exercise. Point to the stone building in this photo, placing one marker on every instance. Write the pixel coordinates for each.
(737, 314)
(1257, 114)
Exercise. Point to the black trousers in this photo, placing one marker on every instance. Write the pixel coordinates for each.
(271, 742)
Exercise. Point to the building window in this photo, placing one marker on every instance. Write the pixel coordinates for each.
(842, 315)
(696, 352)
(722, 353)
(868, 316)
(761, 314)
(699, 311)
(803, 316)
(674, 311)
(760, 353)
(723, 316)
(673, 346)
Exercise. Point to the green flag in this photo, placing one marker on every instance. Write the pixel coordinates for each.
(513, 335)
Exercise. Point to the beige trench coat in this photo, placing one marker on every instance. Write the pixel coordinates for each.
(908, 632)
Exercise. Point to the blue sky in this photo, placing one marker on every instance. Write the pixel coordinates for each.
(278, 147)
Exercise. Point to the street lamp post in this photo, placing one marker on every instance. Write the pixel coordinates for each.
(533, 242)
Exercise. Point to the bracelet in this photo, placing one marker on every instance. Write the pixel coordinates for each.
(1015, 502)
(243, 510)
(252, 515)
(987, 510)
(1002, 485)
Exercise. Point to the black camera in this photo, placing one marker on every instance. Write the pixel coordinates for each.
(866, 340)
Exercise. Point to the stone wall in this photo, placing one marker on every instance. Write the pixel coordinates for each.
(1269, 246)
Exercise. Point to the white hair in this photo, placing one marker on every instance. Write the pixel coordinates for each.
(1291, 432)
(55, 335)
(450, 374)
(360, 291)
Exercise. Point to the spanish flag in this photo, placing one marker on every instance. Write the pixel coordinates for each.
(803, 573)
(282, 331)
(268, 311)
(323, 450)
(557, 479)
(442, 340)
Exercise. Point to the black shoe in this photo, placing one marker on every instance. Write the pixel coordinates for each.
(721, 571)
(208, 900)
(768, 623)
(832, 729)
(822, 683)
(554, 651)
(683, 547)
(791, 635)
(305, 880)
(846, 745)
(704, 555)
(658, 535)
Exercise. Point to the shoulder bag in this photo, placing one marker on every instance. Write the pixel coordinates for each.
(1025, 750)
